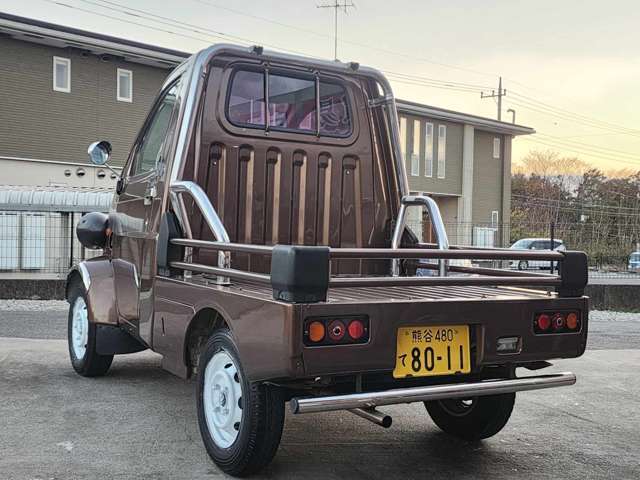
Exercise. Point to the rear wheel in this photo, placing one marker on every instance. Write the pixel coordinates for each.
(240, 422)
(472, 419)
(81, 337)
(523, 265)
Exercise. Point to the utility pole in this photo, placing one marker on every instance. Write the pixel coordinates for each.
(337, 5)
(501, 93)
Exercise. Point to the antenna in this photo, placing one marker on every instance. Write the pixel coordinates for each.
(336, 5)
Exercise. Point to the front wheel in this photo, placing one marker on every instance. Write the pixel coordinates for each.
(240, 422)
(523, 265)
(81, 337)
(472, 419)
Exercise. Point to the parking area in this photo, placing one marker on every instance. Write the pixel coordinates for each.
(139, 421)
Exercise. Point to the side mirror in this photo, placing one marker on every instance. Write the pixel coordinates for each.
(99, 152)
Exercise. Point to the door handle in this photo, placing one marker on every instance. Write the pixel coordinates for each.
(149, 195)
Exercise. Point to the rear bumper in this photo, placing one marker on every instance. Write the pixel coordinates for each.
(434, 392)
(488, 320)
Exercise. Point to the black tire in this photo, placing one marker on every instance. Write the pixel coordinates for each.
(90, 364)
(523, 265)
(260, 428)
(474, 419)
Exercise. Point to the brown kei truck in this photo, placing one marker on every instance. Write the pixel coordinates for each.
(258, 242)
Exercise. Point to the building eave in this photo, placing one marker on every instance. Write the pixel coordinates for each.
(481, 123)
(36, 31)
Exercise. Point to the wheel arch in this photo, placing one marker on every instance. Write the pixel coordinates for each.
(202, 325)
(96, 276)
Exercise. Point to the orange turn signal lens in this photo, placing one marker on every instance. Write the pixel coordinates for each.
(316, 331)
(572, 321)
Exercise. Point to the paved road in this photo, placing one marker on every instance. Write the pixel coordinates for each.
(139, 422)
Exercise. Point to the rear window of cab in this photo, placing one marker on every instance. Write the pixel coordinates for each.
(289, 102)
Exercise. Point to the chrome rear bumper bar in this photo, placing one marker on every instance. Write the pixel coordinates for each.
(434, 392)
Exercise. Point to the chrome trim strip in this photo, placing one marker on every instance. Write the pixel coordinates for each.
(86, 277)
(435, 392)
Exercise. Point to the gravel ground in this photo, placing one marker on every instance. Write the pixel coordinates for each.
(33, 305)
(139, 421)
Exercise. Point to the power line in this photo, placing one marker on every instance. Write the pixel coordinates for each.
(142, 14)
(578, 151)
(577, 115)
(350, 42)
(152, 17)
(587, 146)
(522, 100)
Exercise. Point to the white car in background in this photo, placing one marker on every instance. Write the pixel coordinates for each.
(535, 244)
(634, 262)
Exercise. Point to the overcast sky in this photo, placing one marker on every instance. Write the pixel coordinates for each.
(579, 56)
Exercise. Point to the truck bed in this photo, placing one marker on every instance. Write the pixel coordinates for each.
(394, 294)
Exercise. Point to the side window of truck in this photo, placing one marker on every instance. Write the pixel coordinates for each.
(151, 145)
(290, 102)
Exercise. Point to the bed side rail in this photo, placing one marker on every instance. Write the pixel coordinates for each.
(303, 273)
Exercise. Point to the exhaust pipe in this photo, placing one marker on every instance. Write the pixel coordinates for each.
(373, 415)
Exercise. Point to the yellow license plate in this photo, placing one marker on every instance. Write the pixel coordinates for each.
(433, 350)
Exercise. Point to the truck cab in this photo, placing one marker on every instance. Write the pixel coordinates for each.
(258, 242)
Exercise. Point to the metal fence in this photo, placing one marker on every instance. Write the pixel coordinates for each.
(44, 245)
(39, 244)
(609, 255)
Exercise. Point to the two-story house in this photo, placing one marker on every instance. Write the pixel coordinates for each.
(464, 162)
(60, 89)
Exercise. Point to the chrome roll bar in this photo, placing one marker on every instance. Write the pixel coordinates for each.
(209, 214)
(442, 241)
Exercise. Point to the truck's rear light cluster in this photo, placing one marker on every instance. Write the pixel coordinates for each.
(336, 331)
(557, 322)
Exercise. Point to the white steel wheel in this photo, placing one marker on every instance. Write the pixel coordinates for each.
(240, 421)
(79, 328)
(222, 399)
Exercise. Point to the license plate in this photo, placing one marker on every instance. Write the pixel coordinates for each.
(432, 350)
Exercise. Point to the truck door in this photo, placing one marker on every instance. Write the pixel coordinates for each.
(137, 215)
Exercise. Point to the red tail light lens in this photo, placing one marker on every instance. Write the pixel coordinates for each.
(543, 322)
(356, 329)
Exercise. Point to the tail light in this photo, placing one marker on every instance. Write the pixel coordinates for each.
(543, 322)
(556, 322)
(573, 321)
(356, 329)
(316, 331)
(336, 331)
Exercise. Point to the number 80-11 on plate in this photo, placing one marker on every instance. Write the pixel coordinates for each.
(432, 350)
